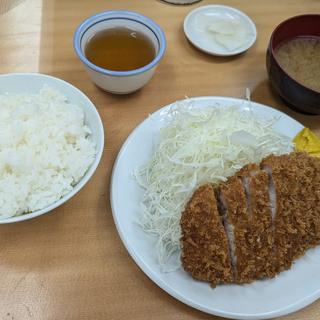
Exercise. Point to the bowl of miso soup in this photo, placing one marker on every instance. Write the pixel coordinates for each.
(293, 62)
(120, 49)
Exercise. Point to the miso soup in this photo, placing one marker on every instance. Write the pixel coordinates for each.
(300, 58)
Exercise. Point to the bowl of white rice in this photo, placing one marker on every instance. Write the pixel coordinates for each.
(51, 142)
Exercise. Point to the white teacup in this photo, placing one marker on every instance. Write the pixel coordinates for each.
(119, 82)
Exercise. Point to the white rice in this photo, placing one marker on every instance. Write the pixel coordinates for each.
(45, 149)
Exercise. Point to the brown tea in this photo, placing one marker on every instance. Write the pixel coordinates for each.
(120, 49)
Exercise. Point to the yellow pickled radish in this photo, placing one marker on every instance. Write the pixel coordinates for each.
(307, 141)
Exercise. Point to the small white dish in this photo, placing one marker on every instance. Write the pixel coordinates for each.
(181, 1)
(290, 291)
(198, 30)
(119, 82)
(32, 83)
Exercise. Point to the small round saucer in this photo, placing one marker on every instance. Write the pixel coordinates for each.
(197, 30)
(181, 1)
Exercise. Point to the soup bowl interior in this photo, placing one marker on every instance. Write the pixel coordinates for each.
(297, 95)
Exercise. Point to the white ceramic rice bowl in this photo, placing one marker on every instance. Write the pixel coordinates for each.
(32, 83)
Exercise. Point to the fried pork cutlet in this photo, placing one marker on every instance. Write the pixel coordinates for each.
(270, 216)
(260, 223)
(297, 217)
(205, 254)
(236, 221)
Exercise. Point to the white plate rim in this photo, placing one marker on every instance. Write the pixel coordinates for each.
(212, 52)
(162, 284)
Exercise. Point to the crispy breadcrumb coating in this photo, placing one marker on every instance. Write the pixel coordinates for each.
(254, 225)
(205, 247)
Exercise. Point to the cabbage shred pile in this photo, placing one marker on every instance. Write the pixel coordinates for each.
(198, 145)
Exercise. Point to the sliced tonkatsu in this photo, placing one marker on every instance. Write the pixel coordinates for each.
(260, 223)
(296, 189)
(256, 223)
(232, 198)
(206, 254)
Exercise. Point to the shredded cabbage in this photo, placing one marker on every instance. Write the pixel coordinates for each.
(198, 145)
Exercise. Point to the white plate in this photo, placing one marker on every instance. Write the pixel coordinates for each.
(193, 29)
(288, 292)
(32, 83)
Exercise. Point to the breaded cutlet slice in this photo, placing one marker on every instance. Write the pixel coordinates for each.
(313, 208)
(236, 221)
(286, 235)
(296, 219)
(261, 235)
(205, 252)
(304, 176)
